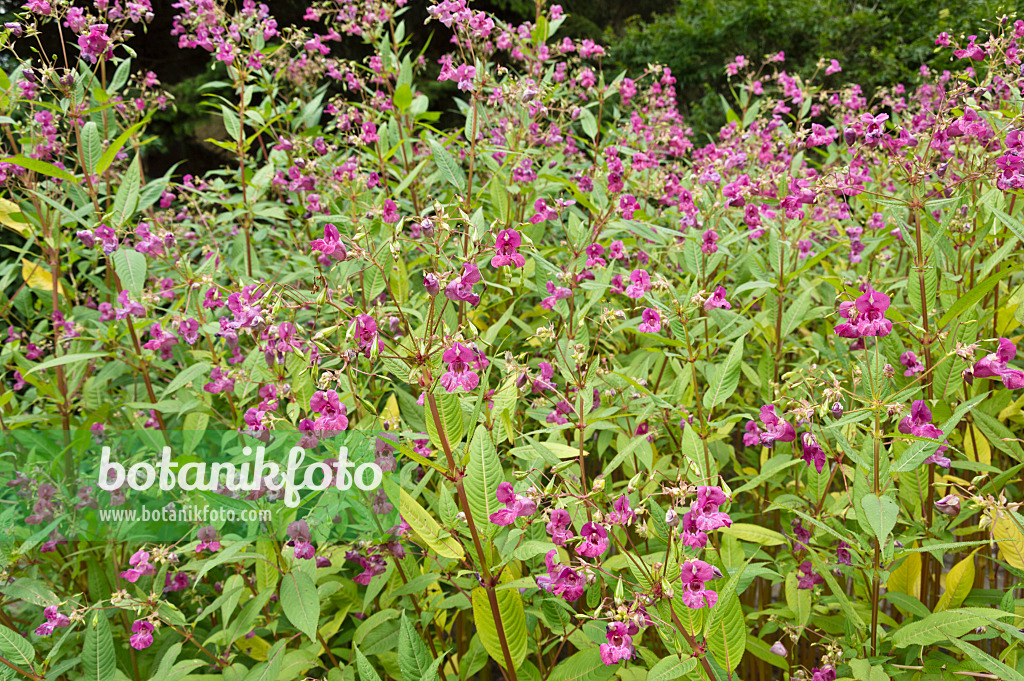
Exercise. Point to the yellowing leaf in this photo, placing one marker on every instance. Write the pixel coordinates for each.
(907, 577)
(1010, 540)
(427, 529)
(959, 583)
(255, 647)
(976, 446)
(390, 412)
(38, 277)
(7, 211)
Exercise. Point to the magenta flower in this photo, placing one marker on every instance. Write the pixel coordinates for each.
(460, 289)
(547, 372)
(623, 514)
(333, 414)
(651, 321)
(367, 338)
(506, 249)
(695, 575)
(299, 539)
(826, 673)
(561, 580)
(560, 526)
(813, 454)
(775, 429)
(919, 424)
(996, 365)
(96, 43)
(640, 284)
(909, 360)
(179, 582)
(717, 299)
(330, 246)
(843, 553)
(142, 634)
(208, 539)
(808, 578)
(704, 510)
(709, 242)
(556, 293)
(54, 619)
(140, 566)
(620, 642)
(753, 433)
(866, 316)
(516, 506)
(373, 564)
(595, 540)
(460, 372)
(220, 382)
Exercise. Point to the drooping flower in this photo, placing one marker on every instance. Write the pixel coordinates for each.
(54, 619)
(179, 582)
(909, 360)
(623, 514)
(717, 300)
(826, 673)
(460, 372)
(561, 580)
(555, 293)
(813, 454)
(96, 43)
(619, 644)
(996, 365)
(333, 413)
(365, 331)
(752, 436)
(516, 506)
(807, 577)
(595, 540)
(208, 539)
(843, 553)
(865, 316)
(140, 566)
(506, 249)
(299, 539)
(640, 284)
(330, 246)
(775, 429)
(695, 576)
(142, 634)
(651, 321)
(560, 526)
(706, 515)
(460, 289)
(919, 424)
(948, 505)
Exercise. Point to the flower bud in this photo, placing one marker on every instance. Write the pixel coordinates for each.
(837, 410)
(671, 517)
(779, 649)
(948, 505)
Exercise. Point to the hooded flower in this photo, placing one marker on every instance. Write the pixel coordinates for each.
(330, 246)
(620, 642)
(717, 299)
(560, 526)
(140, 566)
(996, 365)
(595, 540)
(142, 634)
(775, 429)
(650, 321)
(807, 577)
(506, 249)
(909, 360)
(695, 575)
(516, 506)
(640, 283)
(919, 424)
(54, 619)
(460, 372)
(623, 514)
(460, 289)
(866, 316)
(813, 454)
(561, 580)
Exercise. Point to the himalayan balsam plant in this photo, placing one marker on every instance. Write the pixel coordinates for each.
(654, 407)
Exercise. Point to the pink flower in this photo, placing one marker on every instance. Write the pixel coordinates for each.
(640, 284)
(556, 293)
(506, 249)
(623, 514)
(695, 575)
(54, 619)
(775, 428)
(595, 540)
(813, 454)
(461, 288)
(561, 580)
(516, 506)
(752, 436)
(330, 245)
(651, 321)
(866, 316)
(460, 372)
(140, 567)
(717, 299)
(560, 526)
(913, 366)
(208, 539)
(704, 514)
(808, 578)
(833, 67)
(997, 365)
(333, 414)
(96, 43)
(620, 642)
(919, 424)
(142, 634)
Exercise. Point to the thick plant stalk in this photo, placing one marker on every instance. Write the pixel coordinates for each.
(488, 580)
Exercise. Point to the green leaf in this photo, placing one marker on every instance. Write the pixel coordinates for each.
(671, 668)
(880, 514)
(450, 169)
(41, 167)
(300, 602)
(727, 378)
(130, 266)
(183, 378)
(586, 665)
(15, 648)
(987, 662)
(413, 657)
(366, 670)
(92, 147)
(427, 529)
(947, 625)
(968, 300)
(31, 591)
(483, 475)
(65, 359)
(111, 153)
(727, 633)
(127, 198)
(450, 413)
(99, 662)
(755, 533)
(512, 618)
